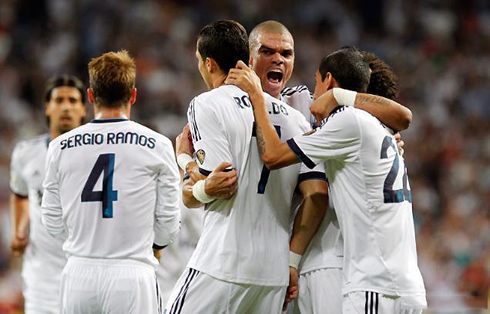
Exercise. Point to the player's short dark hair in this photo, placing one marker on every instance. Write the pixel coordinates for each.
(112, 77)
(383, 81)
(348, 67)
(64, 80)
(225, 41)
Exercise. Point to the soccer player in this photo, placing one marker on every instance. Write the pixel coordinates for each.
(272, 58)
(112, 190)
(43, 257)
(369, 188)
(242, 255)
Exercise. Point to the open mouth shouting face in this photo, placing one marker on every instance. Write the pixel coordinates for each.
(272, 58)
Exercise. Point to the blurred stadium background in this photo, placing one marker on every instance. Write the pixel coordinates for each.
(440, 49)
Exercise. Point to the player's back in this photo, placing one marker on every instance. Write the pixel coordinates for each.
(370, 188)
(110, 172)
(245, 239)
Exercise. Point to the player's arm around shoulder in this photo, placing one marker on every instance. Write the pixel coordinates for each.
(52, 215)
(274, 153)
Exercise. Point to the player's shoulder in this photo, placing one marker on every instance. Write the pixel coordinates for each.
(147, 131)
(26, 146)
(64, 136)
(343, 114)
(296, 91)
(290, 110)
(216, 94)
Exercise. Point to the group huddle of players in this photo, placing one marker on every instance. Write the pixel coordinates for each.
(304, 198)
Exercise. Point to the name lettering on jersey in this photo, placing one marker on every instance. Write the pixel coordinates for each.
(243, 102)
(279, 108)
(133, 138)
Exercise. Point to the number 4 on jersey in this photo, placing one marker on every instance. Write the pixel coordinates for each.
(104, 164)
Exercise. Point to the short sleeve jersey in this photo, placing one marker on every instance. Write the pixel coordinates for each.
(371, 194)
(113, 187)
(246, 238)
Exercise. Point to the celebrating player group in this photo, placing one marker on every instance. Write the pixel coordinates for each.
(303, 199)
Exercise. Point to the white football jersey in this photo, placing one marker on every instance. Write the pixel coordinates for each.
(370, 191)
(326, 248)
(245, 239)
(113, 186)
(300, 98)
(44, 258)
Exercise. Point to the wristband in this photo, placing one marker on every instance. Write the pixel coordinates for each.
(183, 159)
(294, 259)
(344, 97)
(199, 192)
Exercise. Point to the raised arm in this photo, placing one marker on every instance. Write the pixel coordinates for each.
(273, 152)
(387, 111)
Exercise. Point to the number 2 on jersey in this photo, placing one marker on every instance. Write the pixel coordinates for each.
(104, 164)
(264, 176)
(390, 195)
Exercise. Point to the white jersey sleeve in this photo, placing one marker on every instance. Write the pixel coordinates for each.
(209, 136)
(338, 137)
(18, 184)
(167, 203)
(52, 214)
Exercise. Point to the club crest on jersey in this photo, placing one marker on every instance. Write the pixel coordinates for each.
(309, 132)
(200, 154)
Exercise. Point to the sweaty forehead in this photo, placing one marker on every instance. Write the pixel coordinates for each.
(277, 41)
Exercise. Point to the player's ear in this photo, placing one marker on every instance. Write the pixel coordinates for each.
(250, 61)
(90, 94)
(133, 95)
(330, 81)
(211, 65)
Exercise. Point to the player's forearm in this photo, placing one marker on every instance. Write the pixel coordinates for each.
(273, 152)
(167, 225)
(308, 220)
(187, 197)
(19, 213)
(389, 112)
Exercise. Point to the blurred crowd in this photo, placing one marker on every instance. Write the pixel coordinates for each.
(439, 49)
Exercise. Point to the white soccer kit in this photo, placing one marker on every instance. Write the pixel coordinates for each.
(44, 258)
(245, 239)
(323, 256)
(370, 191)
(113, 187)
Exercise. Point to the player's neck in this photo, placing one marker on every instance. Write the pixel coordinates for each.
(218, 80)
(111, 113)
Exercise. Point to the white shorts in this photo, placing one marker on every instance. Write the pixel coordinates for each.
(199, 293)
(368, 302)
(40, 300)
(320, 292)
(109, 286)
(41, 288)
